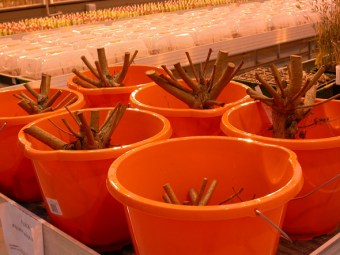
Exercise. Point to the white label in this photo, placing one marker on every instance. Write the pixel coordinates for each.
(54, 206)
(22, 232)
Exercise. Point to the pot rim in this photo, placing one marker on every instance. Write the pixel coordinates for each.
(212, 212)
(25, 119)
(293, 144)
(97, 154)
(186, 112)
(110, 90)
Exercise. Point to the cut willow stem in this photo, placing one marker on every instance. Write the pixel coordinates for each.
(296, 72)
(206, 62)
(174, 83)
(94, 121)
(31, 90)
(102, 78)
(315, 78)
(169, 72)
(24, 97)
(178, 92)
(201, 191)
(44, 102)
(101, 72)
(167, 199)
(90, 135)
(185, 77)
(64, 101)
(293, 101)
(193, 69)
(45, 137)
(111, 124)
(193, 196)
(224, 80)
(90, 67)
(209, 193)
(220, 63)
(133, 57)
(319, 103)
(123, 72)
(52, 99)
(278, 79)
(195, 199)
(45, 86)
(170, 193)
(104, 69)
(212, 78)
(203, 92)
(26, 106)
(84, 80)
(268, 87)
(85, 127)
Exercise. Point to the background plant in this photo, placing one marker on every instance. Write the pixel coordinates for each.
(327, 28)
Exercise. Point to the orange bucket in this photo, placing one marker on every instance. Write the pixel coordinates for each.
(73, 183)
(185, 121)
(136, 179)
(17, 178)
(109, 97)
(316, 209)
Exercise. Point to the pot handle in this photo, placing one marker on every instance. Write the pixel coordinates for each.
(3, 126)
(319, 187)
(283, 234)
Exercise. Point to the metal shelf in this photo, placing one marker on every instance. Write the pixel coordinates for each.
(234, 46)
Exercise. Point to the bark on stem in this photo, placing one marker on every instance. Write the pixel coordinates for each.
(84, 80)
(121, 75)
(111, 124)
(86, 129)
(90, 67)
(45, 137)
(222, 81)
(178, 93)
(31, 90)
(209, 193)
(221, 63)
(185, 77)
(45, 85)
(171, 194)
(193, 70)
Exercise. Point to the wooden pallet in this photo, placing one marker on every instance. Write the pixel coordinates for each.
(56, 242)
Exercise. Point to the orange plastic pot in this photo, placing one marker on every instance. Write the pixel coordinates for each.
(316, 210)
(73, 183)
(270, 172)
(185, 121)
(109, 97)
(17, 177)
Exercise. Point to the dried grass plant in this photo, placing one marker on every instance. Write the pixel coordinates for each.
(327, 29)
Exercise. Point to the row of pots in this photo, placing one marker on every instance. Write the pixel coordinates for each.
(87, 198)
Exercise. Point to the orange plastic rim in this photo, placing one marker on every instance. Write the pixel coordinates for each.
(12, 114)
(134, 70)
(213, 212)
(98, 154)
(184, 111)
(301, 144)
